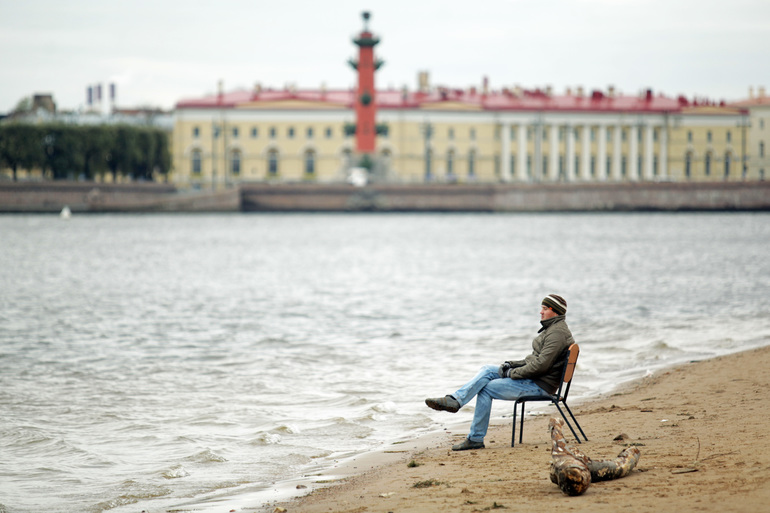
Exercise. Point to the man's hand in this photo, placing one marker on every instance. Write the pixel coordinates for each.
(503, 370)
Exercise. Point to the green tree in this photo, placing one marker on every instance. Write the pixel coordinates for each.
(97, 141)
(123, 154)
(20, 147)
(64, 155)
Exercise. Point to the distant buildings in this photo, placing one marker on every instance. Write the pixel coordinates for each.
(440, 134)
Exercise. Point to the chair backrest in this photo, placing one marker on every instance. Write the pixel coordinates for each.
(572, 356)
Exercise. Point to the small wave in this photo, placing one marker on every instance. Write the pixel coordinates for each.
(132, 493)
(207, 456)
(175, 472)
(267, 439)
(289, 428)
(388, 407)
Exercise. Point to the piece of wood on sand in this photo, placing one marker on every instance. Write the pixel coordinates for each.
(573, 471)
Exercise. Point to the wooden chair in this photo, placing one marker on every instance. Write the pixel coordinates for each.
(570, 360)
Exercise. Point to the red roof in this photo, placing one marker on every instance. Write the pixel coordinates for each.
(505, 100)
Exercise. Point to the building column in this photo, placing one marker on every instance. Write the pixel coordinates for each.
(663, 164)
(505, 152)
(633, 153)
(570, 153)
(616, 152)
(585, 154)
(601, 153)
(648, 152)
(553, 153)
(521, 155)
(537, 158)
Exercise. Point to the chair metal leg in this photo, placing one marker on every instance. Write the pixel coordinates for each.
(576, 422)
(566, 421)
(513, 435)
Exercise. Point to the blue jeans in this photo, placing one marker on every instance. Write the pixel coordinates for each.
(488, 385)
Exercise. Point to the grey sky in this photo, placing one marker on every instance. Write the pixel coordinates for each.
(161, 51)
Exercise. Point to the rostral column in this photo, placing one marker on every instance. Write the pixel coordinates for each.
(366, 109)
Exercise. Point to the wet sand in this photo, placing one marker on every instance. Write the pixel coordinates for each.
(701, 429)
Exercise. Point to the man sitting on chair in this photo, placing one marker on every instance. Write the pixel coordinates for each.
(537, 374)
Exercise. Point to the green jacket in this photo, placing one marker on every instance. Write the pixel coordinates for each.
(544, 365)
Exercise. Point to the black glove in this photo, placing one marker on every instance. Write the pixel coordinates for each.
(506, 368)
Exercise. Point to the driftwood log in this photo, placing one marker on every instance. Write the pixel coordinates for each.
(573, 471)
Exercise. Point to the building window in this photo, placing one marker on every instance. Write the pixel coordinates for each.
(290, 132)
(707, 164)
(235, 162)
(728, 161)
(689, 136)
(729, 136)
(688, 165)
(513, 165)
(639, 166)
(451, 134)
(761, 123)
(655, 135)
(655, 165)
(708, 136)
(577, 165)
(310, 132)
(235, 132)
(761, 148)
(529, 165)
(309, 162)
(576, 133)
(609, 135)
(593, 166)
(254, 132)
(623, 134)
(328, 132)
(608, 166)
(561, 167)
(196, 132)
(272, 132)
(545, 165)
(623, 166)
(272, 163)
(472, 164)
(639, 135)
(593, 134)
(450, 164)
(473, 134)
(196, 162)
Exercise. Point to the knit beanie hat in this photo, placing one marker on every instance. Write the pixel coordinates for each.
(557, 303)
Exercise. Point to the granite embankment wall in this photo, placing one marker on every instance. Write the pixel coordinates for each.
(97, 197)
(149, 197)
(509, 197)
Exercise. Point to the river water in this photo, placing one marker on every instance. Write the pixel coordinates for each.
(153, 361)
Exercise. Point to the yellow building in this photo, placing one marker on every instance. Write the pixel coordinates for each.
(758, 138)
(438, 134)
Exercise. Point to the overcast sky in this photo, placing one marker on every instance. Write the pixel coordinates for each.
(158, 52)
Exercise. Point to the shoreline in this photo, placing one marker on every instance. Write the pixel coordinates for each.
(698, 426)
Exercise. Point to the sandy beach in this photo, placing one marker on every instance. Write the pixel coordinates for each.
(700, 427)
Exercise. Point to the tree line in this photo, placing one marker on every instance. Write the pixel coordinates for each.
(67, 152)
